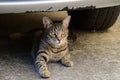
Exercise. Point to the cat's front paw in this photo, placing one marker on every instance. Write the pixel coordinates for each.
(68, 63)
(45, 74)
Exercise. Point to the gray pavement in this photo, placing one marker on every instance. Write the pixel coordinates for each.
(96, 56)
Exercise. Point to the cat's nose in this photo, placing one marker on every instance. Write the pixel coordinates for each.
(59, 38)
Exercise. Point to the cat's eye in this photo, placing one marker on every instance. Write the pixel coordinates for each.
(52, 33)
(62, 34)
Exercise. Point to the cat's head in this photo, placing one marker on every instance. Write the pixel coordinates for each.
(56, 33)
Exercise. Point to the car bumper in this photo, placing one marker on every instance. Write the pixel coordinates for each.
(53, 5)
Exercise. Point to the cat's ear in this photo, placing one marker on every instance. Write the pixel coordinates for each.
(66, 21)
(47, 22)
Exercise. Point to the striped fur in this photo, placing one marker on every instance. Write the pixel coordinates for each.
(53, 46)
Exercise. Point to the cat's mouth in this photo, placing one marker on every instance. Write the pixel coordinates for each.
(58, 42)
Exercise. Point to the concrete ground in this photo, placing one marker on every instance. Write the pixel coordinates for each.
(96, 56)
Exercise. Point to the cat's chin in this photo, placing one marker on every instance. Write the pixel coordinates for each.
(58, 45)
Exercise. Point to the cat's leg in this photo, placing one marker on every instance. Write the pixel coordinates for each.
(41, 65)
(66, 60)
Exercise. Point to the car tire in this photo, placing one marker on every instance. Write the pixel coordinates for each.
(94, 19)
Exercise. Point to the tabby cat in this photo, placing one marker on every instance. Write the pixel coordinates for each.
(53, 46)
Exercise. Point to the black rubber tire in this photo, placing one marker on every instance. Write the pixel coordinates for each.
(94, 19)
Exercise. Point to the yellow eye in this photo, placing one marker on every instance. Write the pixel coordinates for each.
(62, 34)
(52, 33)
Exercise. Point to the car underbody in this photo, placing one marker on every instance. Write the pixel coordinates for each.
(22, 6)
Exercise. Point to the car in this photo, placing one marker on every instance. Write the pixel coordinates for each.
(86, 14)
